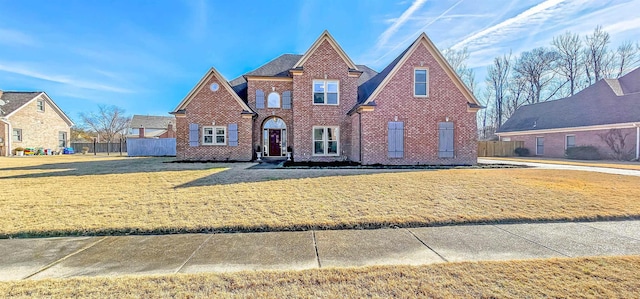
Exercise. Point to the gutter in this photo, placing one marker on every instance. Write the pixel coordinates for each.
(9, 133)
(637, 141)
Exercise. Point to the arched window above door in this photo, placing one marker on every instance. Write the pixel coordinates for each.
(275, 123)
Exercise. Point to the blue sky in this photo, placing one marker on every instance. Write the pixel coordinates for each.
(145, 56)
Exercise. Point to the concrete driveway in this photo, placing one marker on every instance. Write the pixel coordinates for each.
(560, 166)
(193, 253)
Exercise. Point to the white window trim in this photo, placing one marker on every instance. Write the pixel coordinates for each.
(325, 81)
(536, 140)
(413, 86)
(213, 139)
(279, 100)
(19, 135)
(566, 143)
(325, 141)
(43, 105)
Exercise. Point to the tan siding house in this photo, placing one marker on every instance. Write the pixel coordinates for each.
(31, 120)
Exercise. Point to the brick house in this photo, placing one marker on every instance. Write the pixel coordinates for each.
(151, 126)
(31, 119)
(549, 128)
(324, 107)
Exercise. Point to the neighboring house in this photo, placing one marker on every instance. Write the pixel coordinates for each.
(549, 128)
(150, 126)
(31, 119)
(324, 107)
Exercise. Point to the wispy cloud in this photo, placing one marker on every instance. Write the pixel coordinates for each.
(25, 71)
(535, 14)
(197, 24)
(622, 26)
(395, 25)
(415, 34)
(14, 37)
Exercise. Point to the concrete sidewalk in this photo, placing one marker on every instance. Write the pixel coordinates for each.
(193, 253)
(494, 160)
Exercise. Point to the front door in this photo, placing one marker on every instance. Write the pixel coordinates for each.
(274, 142)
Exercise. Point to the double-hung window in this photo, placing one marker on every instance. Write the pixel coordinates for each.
(40, 105)
(325, 92)
(62, 139)
(421, 82)
(17, 135)
(325, 141)
(214, 135)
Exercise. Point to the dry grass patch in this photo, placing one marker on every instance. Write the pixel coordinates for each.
(605, 164)
(603, 277)
(85, 195)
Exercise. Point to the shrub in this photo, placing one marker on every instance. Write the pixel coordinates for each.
(583, 152)
(522, 152)
(19, 149)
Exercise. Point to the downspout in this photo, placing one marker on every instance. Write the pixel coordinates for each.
(637, 141)
(360, 135)
(9, 134)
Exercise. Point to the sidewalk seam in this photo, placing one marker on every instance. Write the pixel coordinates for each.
(192, 254)
(531, 241)
(315, 245)
(425, 244)
(63, 258)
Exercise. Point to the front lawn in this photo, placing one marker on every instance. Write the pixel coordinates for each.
(67, 195)
(601, 277)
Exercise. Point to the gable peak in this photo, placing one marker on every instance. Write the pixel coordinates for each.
(326, 36)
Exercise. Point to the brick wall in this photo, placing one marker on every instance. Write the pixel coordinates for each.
(554, 143)
(420, 116)
(268, 86)
(39, 129)
(207, 107)
(324, 63)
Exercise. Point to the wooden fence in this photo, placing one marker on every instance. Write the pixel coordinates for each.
(498, 148)
(145, 147)
(101, 147)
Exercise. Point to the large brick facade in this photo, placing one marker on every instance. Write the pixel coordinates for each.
(40, 129)
(362, 136)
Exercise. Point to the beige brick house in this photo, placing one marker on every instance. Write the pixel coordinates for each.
(31, 119)
(321, 106)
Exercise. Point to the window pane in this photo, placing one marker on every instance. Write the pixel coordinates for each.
(332, 98)
(219, 139)
(571, 141)
(219, 131)
(332, 87)
(318, 98)
(318, 86)
(421, 89)
(318, 147)
(317, 133)
(208, 131)
(331, 134)
(273, 101)
(421, 76)
(208, 139)
(332, 147)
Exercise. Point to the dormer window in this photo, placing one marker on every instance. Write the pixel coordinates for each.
(325, 92)
(40, 105)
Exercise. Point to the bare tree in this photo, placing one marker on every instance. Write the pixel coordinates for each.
(458, 61)
(536, 67)
(497, 81)
(616, 141)
(569, 49)
(624, 59)
(596, 54)
(107, 122)
(517, 94)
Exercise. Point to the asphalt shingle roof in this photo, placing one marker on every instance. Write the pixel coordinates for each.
(151, 121)
(597, 104)
(366, 88)
(13, 100)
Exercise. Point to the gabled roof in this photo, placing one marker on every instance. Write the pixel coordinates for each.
(278, 67)
(325, 36)
(151, 121)
(368, 91)
(599, 104)
(15, 100)
(224, 84)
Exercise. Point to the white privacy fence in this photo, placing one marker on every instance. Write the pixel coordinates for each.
(151, 147)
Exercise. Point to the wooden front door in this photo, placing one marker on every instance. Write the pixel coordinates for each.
(274, 142)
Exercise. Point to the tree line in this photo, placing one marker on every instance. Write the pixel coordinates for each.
(569, 64)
